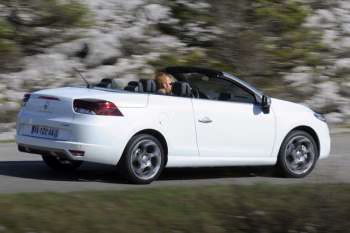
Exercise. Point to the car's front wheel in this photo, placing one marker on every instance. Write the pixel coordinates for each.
(143, 159)
(60, 164)
(298, 155)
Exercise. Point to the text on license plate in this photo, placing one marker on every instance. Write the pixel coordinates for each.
(43, 131)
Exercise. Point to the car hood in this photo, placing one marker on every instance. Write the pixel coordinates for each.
(287, 106)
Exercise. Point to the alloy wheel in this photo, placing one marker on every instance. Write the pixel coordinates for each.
(146, 159)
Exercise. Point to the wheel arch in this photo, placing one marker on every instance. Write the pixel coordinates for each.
(156, 134)
(310, 131)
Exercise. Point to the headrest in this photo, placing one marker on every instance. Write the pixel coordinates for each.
(182, 89)
(134, 86)
(149, 85)
(105, 83)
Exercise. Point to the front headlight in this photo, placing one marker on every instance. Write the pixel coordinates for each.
(320, 117)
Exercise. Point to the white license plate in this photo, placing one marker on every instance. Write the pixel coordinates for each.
(44, 131)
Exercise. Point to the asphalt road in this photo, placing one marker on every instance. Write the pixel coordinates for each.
(21, 172)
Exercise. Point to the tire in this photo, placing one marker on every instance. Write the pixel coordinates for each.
(298, 155)
(143, 159)
(60, 164)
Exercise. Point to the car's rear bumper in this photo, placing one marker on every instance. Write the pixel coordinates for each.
(102, 139)
(92, 152)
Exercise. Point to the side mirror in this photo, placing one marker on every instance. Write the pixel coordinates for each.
(266, 104)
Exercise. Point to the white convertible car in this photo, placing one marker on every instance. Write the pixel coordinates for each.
(211, 119)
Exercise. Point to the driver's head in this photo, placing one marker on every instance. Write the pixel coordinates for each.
(163, 81)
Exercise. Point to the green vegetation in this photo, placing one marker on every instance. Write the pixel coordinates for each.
(8, 141)
(281, 15)
(187, 15)
(8, 116)
(258, 208)
(6, 30)
(285, 38)
(8, 49)
(57, 14)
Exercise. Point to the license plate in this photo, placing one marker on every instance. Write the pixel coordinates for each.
(44, 131)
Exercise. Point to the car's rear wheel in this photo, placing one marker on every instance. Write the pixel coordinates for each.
(298, 155)
(60, 164)
(143, 159)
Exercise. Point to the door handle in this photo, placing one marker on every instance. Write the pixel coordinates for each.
(205, 120)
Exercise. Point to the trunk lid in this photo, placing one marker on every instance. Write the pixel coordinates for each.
(59, 101)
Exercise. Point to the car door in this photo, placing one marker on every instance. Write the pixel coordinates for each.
(230, 123)
(174, 115)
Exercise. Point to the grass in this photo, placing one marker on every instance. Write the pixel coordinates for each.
(8, 141)
(257, 208)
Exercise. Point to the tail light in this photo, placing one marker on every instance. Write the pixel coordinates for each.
(96, 107)
(25, 99)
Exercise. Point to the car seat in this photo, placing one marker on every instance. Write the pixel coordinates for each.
(105, 83)
(134, 86)
(149, 85)
(182, 89)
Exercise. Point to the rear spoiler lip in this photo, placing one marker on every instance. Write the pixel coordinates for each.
(46, 97)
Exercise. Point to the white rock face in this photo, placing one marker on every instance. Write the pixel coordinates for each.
(326, 16)
(14, 97)
(330, 95)
(102, 50)
(334, 118)
(69, 48)
(346, 28)
(345, 89)
(344, 4)
(47, 64)
(342, 64)
(345, 43)
(102, 72)
(9, 106)
(330, 37)
(301, 79)
(156, 12)
(327, 98)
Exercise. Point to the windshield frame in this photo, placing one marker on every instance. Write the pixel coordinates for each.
(258, 94)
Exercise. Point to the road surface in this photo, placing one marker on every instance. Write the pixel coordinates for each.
(21, 172)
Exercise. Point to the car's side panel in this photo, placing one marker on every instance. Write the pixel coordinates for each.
(237, 130)
(187, 161)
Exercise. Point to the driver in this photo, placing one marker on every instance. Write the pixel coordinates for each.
(163, 81)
